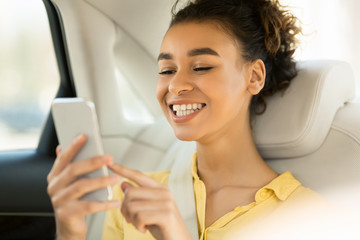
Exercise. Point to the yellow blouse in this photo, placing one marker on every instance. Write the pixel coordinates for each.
(279, 203)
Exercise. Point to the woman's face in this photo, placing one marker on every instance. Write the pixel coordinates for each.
(203, 81)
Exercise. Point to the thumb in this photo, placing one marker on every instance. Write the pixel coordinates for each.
(125, 186)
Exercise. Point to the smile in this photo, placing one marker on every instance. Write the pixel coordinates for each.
(186, 109)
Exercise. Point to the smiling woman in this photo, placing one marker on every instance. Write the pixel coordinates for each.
(218, 62)
(210, 71)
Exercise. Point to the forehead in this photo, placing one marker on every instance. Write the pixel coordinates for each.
(186, 36)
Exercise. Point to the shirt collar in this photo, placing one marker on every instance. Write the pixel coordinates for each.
(283, 185)
(194, 171)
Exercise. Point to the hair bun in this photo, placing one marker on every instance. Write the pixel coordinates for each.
(280, 26)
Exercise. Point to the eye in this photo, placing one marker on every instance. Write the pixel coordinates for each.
(167, 72)
(198, 69)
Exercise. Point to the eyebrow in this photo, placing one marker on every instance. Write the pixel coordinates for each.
(191, 53)
(202, 51)
(165, 56)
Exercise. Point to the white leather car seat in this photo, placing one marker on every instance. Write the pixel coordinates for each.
(312, 130)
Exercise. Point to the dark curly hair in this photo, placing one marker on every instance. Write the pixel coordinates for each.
(265, 30)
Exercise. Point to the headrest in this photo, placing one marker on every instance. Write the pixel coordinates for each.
(297, 121)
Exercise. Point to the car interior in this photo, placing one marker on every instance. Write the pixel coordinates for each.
(107, 53)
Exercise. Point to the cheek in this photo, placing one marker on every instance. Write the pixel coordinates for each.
(227, 93)
(161, 90)
(235, 85)
(236, 95)
(225, 87)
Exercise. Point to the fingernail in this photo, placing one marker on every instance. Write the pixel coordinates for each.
(125, 187)
(79, 137)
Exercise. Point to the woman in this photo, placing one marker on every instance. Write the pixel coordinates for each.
(217, 63)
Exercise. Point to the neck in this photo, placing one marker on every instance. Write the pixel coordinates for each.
(231, 158)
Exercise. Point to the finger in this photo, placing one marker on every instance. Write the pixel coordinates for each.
(82, 187)
(125, 186)
(75, 170)
(149, 218)
(83, 208)
(136, 176)
(67, 156)
(131, 209)
(58, 150)
(132, 193)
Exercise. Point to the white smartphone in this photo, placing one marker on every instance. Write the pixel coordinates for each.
(75, 116)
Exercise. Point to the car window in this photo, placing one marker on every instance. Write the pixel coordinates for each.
(29, 76)
(328, 37)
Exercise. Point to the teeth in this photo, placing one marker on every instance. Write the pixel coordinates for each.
(176, 107)
(185, 109)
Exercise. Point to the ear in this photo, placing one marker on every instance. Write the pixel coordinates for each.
(257, 77)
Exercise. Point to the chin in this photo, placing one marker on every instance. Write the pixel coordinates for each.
(185, 135)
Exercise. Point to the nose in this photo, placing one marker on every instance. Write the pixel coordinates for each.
(180, 83)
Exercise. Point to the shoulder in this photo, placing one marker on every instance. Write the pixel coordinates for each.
(307, 215)
(307, 199)
(295, 213)
(306, 195)
(289, 190)
(292, 194)
(296, 203)
(305, 211)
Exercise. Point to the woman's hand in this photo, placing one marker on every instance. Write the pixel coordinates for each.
(150, 206)
(65, 189)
